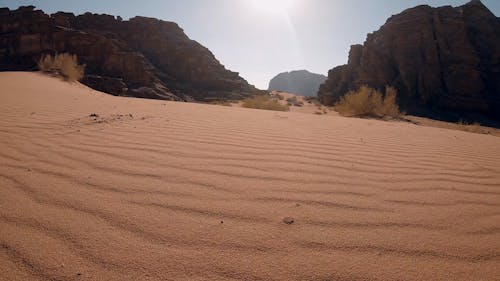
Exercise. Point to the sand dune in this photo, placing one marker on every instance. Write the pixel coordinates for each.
(155, 190)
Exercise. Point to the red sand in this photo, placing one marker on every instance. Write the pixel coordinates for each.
(180, 191)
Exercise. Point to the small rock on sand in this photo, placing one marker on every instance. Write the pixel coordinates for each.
(288, 220)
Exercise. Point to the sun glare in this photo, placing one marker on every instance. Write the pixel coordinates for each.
(273, 6)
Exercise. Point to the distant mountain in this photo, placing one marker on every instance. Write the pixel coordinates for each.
(300, 82)
(439, 59)
(140, 57)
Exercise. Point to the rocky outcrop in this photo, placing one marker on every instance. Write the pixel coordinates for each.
(300, 82)
(438, 58)
(141, 57)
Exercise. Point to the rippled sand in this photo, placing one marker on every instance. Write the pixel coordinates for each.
(155, 190)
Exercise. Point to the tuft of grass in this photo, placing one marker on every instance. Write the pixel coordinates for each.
(64, 65)
(264, 102)
(368, 102)
(471, 128)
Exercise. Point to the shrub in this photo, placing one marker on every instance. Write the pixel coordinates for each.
(313, 100)
(64, 65)
(368, 102)
(390, 106)
(276, 95)
(293, 101)
(264, 102)
(471, 128)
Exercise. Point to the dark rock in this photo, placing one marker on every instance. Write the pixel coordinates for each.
(4, 11)
(288, 220)
(142, 57)
(114, 86)
(301, 82)
(438, 59)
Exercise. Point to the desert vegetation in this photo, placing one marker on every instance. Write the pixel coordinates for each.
(64, 65)
(265, 102)
(277, 95)
(293, 101)
(368, 102)
(313, 100)
(471, 128)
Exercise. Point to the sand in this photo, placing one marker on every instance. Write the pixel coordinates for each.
(156, 190)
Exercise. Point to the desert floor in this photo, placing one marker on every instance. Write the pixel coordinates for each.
(96, 187)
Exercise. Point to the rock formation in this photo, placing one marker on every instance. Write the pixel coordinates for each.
(141, 57)
(438, 58)
(300, 82)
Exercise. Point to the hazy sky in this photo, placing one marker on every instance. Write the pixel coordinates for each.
(261, 38)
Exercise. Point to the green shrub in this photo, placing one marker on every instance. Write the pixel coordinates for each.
(368, 102)
(264, 102)
(64, 65)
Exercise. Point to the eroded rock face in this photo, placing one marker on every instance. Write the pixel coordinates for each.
(301, 82)
(153, 58)
(446, 58)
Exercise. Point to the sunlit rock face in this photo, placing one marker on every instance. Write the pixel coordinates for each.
(438, 58)
(141, 57)
(300, 82)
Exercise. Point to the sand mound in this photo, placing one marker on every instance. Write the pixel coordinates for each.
(177, 191)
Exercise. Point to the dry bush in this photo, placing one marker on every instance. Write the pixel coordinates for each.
(264, 102)
(368, 102)
(46, 63)
(64, 65)
(277, 96)
(293, 101)
(390, 106)
(313, 100)
(472, 128)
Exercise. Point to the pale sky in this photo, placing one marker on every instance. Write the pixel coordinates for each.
(261, 38)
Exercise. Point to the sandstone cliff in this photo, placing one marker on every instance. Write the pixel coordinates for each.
(141, 57)
(438, 58)
(300, 82)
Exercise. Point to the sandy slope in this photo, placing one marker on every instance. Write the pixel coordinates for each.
(179, 191)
